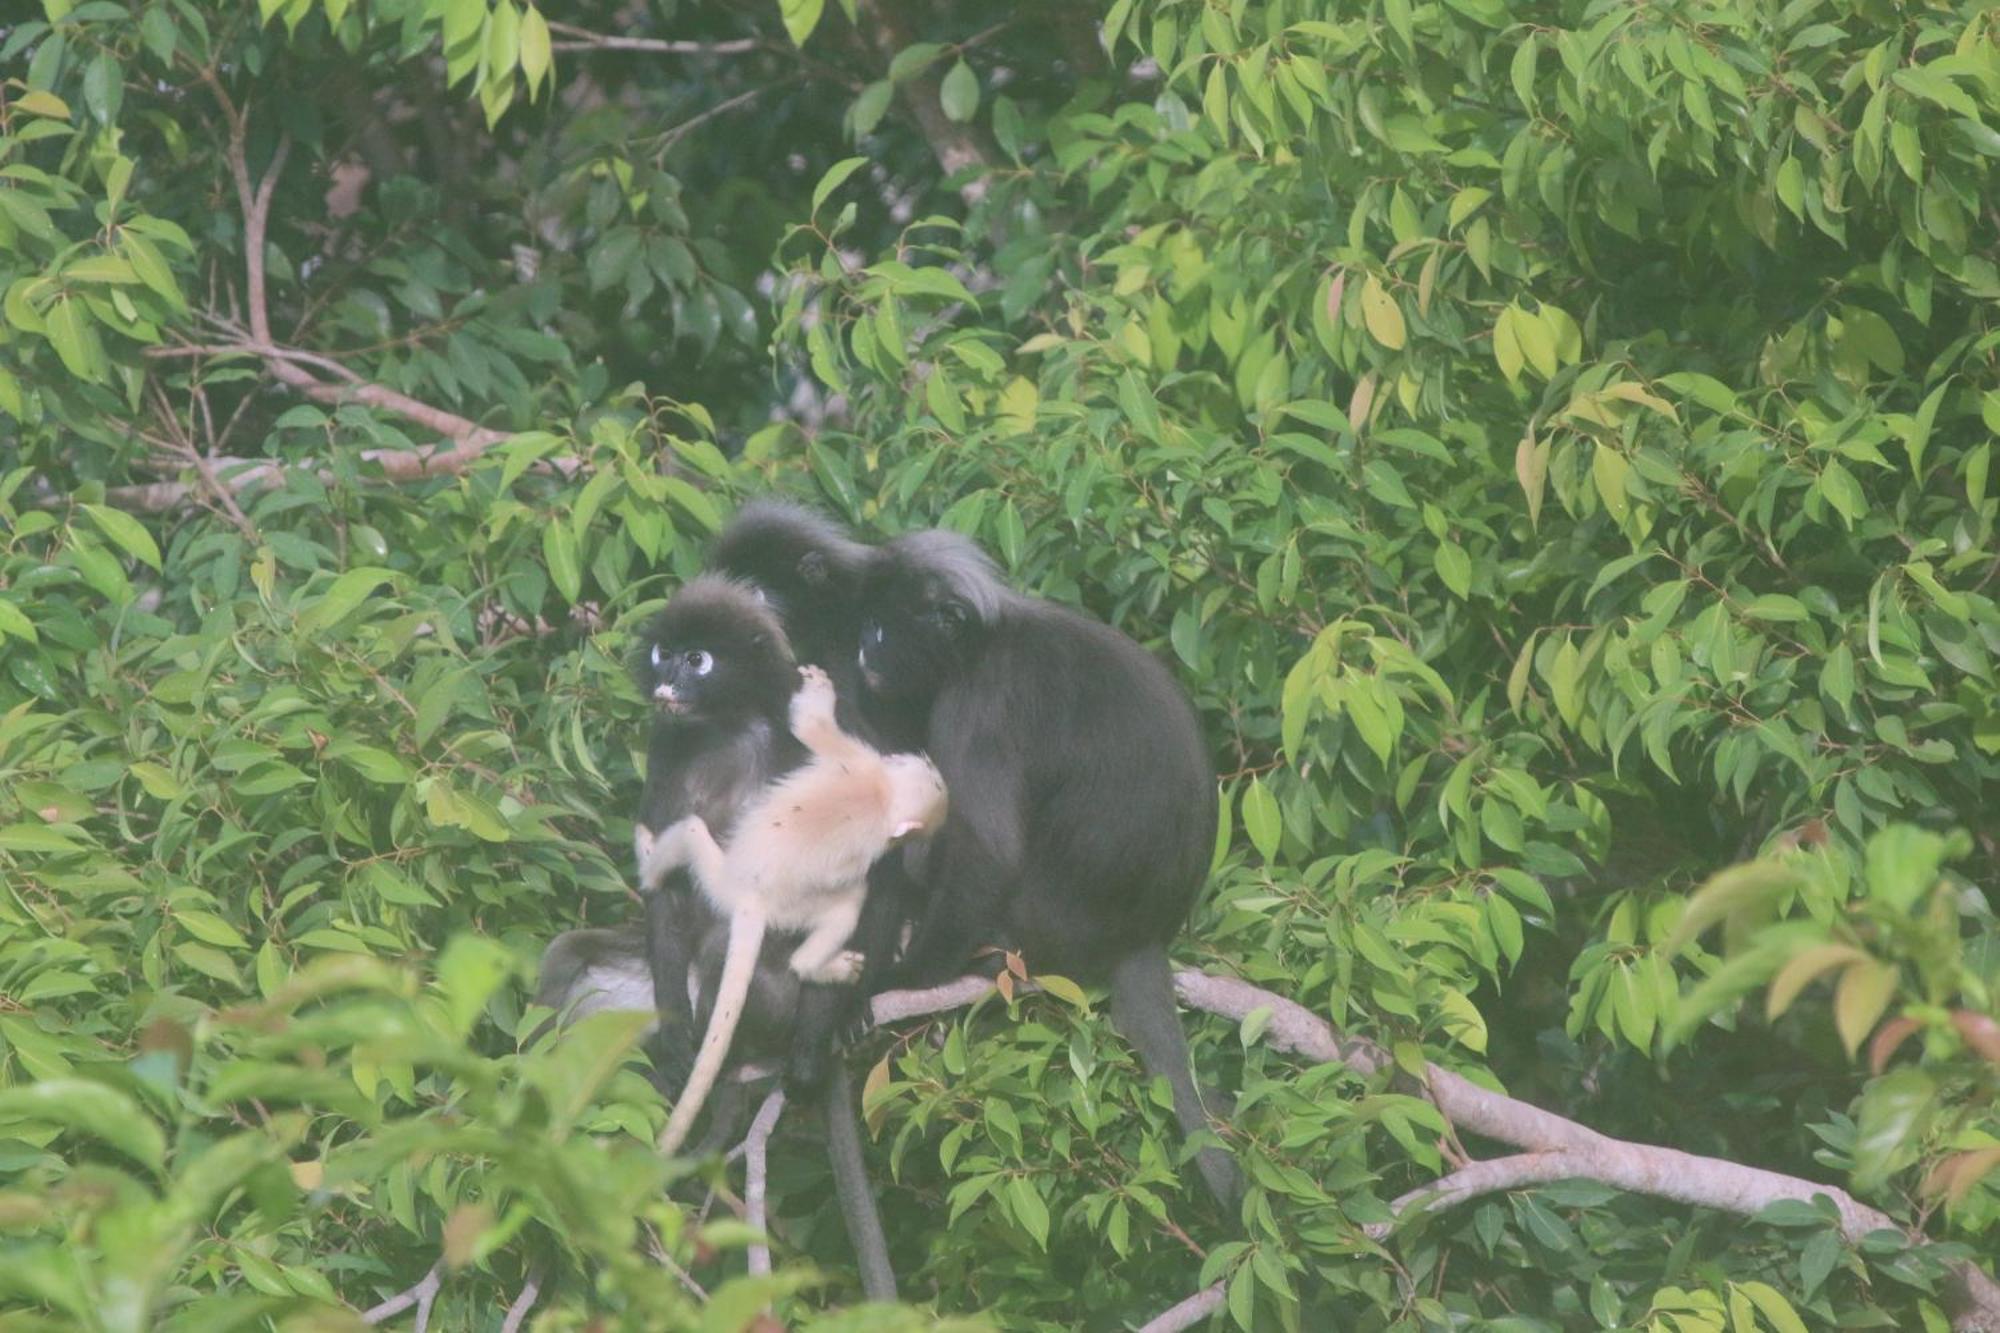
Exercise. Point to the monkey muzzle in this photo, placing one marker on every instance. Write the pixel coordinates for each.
(668, 699)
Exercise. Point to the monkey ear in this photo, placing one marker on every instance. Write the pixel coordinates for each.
(812, 567)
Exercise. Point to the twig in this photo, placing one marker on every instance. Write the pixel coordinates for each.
(658, 1251)
(421, 1294)
(531, 1291)
(582, 39)
(178, 444)
(673, 134)
(756, 1145)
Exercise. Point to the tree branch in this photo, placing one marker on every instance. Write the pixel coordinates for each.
(582, 39)
(421, 1295)
(1556, 1148)
(957, 147)
(287, 365)
(756, 1179)
(531, 1291)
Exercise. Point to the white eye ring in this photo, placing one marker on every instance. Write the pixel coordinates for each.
(701, 662)
(656, 654)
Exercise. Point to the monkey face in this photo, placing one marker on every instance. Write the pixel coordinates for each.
(912, 639)
(716, 653)
(678, 675)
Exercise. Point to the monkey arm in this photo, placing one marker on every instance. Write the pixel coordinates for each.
(815, 723)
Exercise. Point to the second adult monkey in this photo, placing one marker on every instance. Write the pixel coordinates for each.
(797, 860)
(1083, 804)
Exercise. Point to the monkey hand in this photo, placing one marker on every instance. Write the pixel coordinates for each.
(812, 705)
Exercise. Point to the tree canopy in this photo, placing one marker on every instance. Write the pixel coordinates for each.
(1552, 443)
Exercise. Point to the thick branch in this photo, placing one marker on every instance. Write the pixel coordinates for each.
(421, 1295)
(1188, 1313)
(1555, 1148)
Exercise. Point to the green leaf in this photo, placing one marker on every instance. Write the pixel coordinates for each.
(1608, 471)
(1454, 566)
(126, 532)
(1919, 436)
(800, 17)
(959, 93)
(833, 179)
(36, 838)
(1261, 819)
(209, 928)
(469, 971)
(89, 1108)
(347, 592)
(536, 52)
(560, 551)
(74, 336)
(1776, 607)
(15, 622)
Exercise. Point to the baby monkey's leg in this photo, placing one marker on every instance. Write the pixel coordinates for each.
(820, 957)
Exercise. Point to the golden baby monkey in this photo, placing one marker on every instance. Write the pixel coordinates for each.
(798, 860)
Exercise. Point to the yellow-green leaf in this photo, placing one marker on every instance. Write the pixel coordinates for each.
(1383, 316)
(1865, 989)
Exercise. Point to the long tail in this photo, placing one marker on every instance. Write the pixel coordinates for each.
(1142, 1005)
(739, 967)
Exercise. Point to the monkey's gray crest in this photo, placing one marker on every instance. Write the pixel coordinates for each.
(956, 561)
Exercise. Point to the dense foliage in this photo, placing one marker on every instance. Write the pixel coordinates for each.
(1551, 441)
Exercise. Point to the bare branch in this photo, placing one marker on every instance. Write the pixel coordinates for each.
(288, 365)
(582, 39)
(756, 1180)
(531, 1291)
(421, 1295)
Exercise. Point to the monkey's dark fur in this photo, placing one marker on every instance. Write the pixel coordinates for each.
(722, 738)
(1083, 803)
(808, 570)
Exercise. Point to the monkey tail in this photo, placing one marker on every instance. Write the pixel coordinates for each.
(739, 967)
(1143, 1007)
